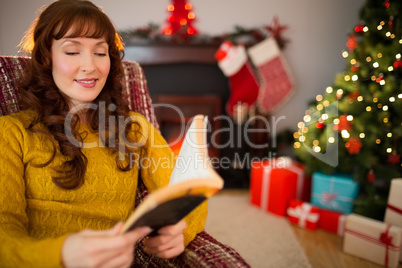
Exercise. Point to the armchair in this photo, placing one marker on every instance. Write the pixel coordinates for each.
(204, 250)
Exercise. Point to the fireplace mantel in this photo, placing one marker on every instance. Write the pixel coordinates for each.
(154, 53)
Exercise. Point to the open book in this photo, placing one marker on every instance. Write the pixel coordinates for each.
(193, 180)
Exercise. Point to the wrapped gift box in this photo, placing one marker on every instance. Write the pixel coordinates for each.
(336, 192)
(274, 183)
(372, 240)
(303, 214)
(393, 213)
(332, 221)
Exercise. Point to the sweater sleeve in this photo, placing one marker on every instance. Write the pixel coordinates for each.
(156, 171)
(17, 248)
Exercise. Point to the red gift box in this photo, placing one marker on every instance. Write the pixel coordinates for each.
(303, 214)
(274, 183)
(332, 221)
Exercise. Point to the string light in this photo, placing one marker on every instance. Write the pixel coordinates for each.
(376, 65)
(378, 141)
(345, 134)
(360, 98)
(307, 118)
(390, 68)
(347, 77)
(368, 59)
(389, 135)
(297, 145)
(349, 118)
(362, 135)
(365, 29)
(318, 97)
(317, 149)
(392, 99)
(385, 108)
(345, 54)
(331, 139)
(389, 150)
(355, 77)
(368, 108)
(329, 89)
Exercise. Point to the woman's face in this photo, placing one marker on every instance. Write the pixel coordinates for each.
(80, 68)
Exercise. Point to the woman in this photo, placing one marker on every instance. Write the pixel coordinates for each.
(66, 170)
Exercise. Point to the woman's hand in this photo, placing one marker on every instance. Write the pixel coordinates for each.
(169, 242)
(90, 248)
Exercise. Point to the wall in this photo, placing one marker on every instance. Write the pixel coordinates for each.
(317, 33)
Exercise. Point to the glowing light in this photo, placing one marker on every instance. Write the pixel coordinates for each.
(379, 55)
(373, 78)
(307, 118)
(317, 149)
(352, 61)
(362, 135)
(345, 134)
(347, 77)
(349, 118)
(324, 116)
(388, 34)
(365, 29)
(296, 135)
(345, 54)
(360, 98)
(379, 106)
(392, 36)
(331, 139)
(170, 8)
(318, 97)
(320, 107)
(329, 89)
(326, 103)
(379, 27)
(389, 135)
(368, 108)
(355, 77)
(336, 121)
(188, 6)
(399, 96)
(376, 65)
(297, 145)
(168, 31)
(368, 59)
(305, 130)
(375, 100)
(385, 120)
(392, 99)
(378, 141)
(300, 125)
(183, 22)
(382, 82)
(302, 139)
(389, 150)
(398, 56)
(390, 68)
(191, 16)
(385, 108)
(382, 23)
(190, 31)
(316, 142)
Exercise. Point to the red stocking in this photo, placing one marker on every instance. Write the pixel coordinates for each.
(277, 85)
(234, 63)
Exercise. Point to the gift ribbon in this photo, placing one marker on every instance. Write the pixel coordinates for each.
(394, 208)
(303, 213)
(266, 177)
(384, 240)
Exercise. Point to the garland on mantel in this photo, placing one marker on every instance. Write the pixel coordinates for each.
(152, 34)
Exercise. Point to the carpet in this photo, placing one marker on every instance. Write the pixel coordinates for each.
(261, 238)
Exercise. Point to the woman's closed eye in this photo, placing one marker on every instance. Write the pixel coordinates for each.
(71, 53)
(101, 54)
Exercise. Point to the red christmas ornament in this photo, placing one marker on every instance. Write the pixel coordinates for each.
(359, 28)
(276, 30)
(344, 124)
(354, 68)
(319, 125)
(398, 64)
(386, 4)
(353, 145)
(370, 176)
(352, 42)
(353, 96)
(391, 23)
(394, 158)
(181, 19)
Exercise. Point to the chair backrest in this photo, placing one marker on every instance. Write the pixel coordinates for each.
(134, 84)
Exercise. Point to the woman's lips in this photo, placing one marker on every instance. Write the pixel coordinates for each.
(87, 83)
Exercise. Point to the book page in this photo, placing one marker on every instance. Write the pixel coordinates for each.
(193, 161)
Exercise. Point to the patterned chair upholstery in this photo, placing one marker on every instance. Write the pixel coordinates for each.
(204, 250)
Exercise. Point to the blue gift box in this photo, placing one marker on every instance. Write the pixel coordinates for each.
(336, 191)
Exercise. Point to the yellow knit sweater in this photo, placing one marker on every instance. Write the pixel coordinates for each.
(36, 215)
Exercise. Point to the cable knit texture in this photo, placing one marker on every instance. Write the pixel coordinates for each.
(36, 215)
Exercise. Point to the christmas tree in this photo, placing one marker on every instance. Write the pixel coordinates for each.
(180, 21)
(355, 126)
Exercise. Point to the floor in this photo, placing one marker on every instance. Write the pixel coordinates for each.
(324, 249)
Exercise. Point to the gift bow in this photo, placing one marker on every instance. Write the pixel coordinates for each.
(387, 240)
(303, 213)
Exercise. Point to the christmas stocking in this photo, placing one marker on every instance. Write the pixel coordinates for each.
(276, 81)
(233, 62)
